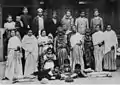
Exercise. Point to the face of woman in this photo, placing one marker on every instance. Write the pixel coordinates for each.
(74, 29)
(12, 33)
(108, 27)
(9, 19)
(43, 33)
(30, 33)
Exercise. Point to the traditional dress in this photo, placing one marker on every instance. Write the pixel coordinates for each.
(30, 45)
(49, 61)
(98, 39)
(77, 50)
(60, 46)
(68, 21)
(43, 44)
(82, 24)
(88, 51)
(110, 54)
(96, 21)
(14, 64)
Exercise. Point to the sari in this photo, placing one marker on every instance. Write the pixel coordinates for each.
(30, 45)
(77, 50)
(14, 64)
(98, 39)
(110, 54)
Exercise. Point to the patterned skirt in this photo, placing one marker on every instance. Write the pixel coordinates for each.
(109, 61)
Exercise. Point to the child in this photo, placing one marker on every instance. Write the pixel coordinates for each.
(66, 69)
(78, 72)
(49, 59)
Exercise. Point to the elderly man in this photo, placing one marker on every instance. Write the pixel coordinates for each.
(82, 23)
(38, 22)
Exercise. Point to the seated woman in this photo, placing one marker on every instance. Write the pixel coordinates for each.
(14, 64)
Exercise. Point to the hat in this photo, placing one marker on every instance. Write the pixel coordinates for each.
(40, 10)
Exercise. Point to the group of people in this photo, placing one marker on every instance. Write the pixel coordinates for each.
(58, 48)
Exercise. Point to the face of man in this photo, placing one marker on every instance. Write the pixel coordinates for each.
(40, 13)
(96, 13)
(68, 13)
(82, 14)
(25, 10)
(54, 15)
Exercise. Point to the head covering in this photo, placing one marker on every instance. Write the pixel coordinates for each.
(39, 10)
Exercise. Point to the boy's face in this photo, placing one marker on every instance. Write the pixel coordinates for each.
(56, 69)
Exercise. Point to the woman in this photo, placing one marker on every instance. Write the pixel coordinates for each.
(111, 44)
(77, 42)
(42, 42)
(60, 47)
(98, 42)
(14, 64)
(30, 45)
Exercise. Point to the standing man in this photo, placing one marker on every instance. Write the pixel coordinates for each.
(82, 23)
(96, 20)
(26, 19)
(67, 20)
(53, 24)
(38, 22)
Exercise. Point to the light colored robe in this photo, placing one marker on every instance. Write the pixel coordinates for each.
(30, 45)
(110, 54)
(14, 64)
(97, 38)
(110, 39)
(77, 51)
(82, 24)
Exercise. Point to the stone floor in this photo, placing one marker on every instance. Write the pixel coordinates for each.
(115, 79)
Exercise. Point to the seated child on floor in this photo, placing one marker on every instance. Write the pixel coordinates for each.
(48, 66)
(66, 69)
(78, 72)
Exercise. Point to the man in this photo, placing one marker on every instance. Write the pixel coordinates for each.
(97, 20)
(111, 44)
(38, 22)
(53, 24)
(26, 19)
(67, 20)
(77, 42)
(82, 23)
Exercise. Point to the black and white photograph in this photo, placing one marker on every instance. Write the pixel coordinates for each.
(59, 42)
